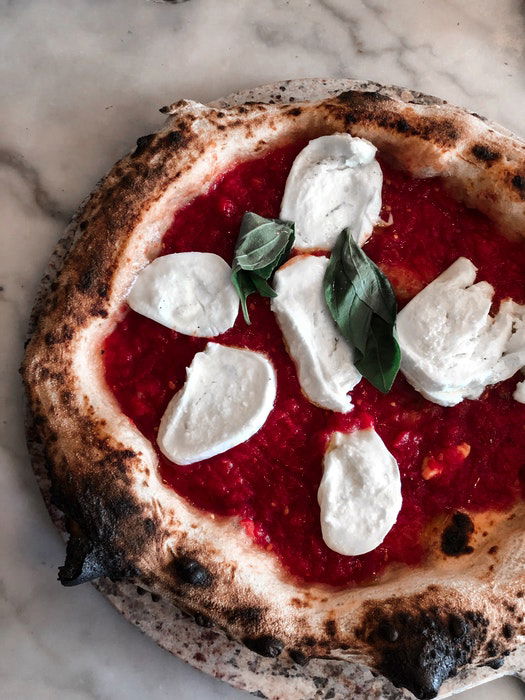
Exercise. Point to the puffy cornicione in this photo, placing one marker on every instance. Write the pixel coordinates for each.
(190, 293)
(323, 358)
(335, 182)
(226, 399)
(451, 347)
(360, 492)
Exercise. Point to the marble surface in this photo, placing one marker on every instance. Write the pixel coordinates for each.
(80, 81)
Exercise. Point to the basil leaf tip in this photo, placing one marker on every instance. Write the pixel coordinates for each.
(262, 246)
(362, 303)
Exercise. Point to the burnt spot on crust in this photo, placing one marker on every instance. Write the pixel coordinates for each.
(298, 657)
(59, 336)
(87, 278)
(378, 110)
(266, 645)
(518, 182)
(86, 562)
(99, 311)
(387, 631)
(419, 650)
(457, 626)
(143, 143)
(456, 536)
(173, 139)
(485, 154)
(507, 631)
(190, 571)
(496, 663)
(247, 616)
(202, 620)
(357, 98)
(330, 627)
(102, 291)
(402, 126)
(83, 563)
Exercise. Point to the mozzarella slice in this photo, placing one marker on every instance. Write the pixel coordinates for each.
(451, 348)
(323, 358)
(226, 399)
(190, 293)
(519, 392)
(334, 182)
(360, 492)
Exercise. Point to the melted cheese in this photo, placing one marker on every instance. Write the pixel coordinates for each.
(335, 182)
(190, 293)
(360, 492)
(451, 348)
(226, 399)
(323, 358)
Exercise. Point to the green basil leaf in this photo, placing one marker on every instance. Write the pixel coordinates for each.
(244, 287)
(262, 246)
(380, 361)
(262, 286)
(368, 282)
(362, 303)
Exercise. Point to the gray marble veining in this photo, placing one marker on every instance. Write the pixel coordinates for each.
(80, 81)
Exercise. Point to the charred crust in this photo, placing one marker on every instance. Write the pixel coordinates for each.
(357, 98)
(485, 154)
(456, 536)
(387, 631)
(419, 651)
(60, 336)
(247, 616)
(86, 279)
(330, 627)
(86, 562)
(190, 571)
(496, 663)
(143, 143)
(507, 631)
(309, 641)
(202, 620)
(298, 657)
(518, 182)
(83, 563)
(402, 126)
(266, 645)
(457, 626)
(173, 139)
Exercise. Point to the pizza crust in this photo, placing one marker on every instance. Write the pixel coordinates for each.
(125, 523)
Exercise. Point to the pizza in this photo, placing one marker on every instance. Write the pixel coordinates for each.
(278, 380)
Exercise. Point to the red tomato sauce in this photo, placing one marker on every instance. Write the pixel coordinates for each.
(473, 454)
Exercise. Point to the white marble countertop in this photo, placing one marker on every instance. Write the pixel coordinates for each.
(81, 81)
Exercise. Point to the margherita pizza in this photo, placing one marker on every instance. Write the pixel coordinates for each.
(278, 380)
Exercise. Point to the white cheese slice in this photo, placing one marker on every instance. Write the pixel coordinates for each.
(226, 399)
(335, 182)
(451, 348)
(190, 293)
(323, 358)
(519, 392)
(360, 492)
